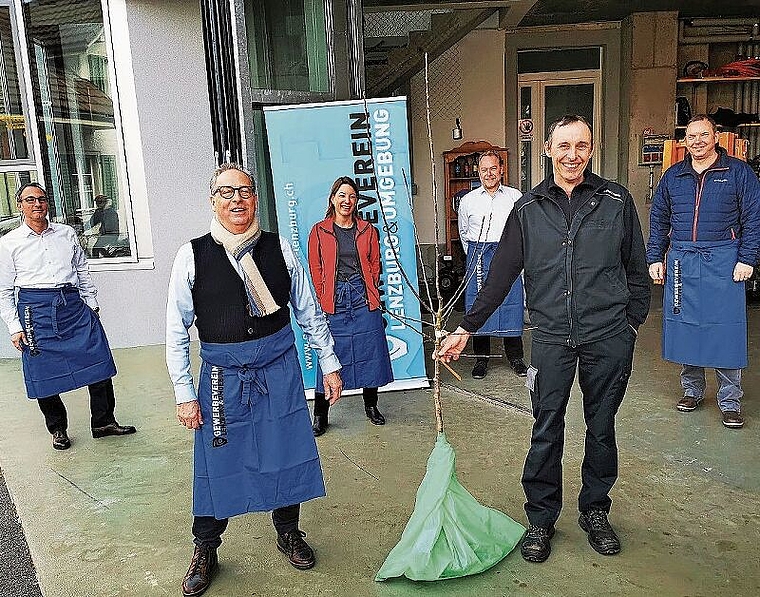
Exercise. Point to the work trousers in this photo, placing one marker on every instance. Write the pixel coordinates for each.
(208, 530)
(513, 346)
(102, 404)
(322, 405)
(603, 371)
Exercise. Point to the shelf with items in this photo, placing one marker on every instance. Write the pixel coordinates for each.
(460, 171)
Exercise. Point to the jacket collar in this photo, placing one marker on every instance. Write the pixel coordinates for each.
(326, 225)
(543, 189)
(685, 168)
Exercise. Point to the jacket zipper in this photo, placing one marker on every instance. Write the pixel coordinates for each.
(698, 200)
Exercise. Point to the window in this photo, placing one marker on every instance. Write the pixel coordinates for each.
(80, 145)
(16, 161)
(287, 42)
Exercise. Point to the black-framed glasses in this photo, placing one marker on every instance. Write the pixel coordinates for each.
(32, 200)
(227, 192)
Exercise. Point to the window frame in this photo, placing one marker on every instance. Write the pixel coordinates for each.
(129, 158)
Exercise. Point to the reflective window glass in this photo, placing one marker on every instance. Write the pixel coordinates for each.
(287, 45)
(13, 131)
(81, 148)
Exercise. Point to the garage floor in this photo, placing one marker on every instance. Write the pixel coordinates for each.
(111, 517)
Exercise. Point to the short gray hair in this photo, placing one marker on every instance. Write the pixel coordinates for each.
(224, 168)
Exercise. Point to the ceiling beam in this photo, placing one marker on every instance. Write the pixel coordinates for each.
(401, 6)
(509, 18)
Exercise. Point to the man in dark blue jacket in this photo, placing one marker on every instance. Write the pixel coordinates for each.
(579, 240)
(706, 215)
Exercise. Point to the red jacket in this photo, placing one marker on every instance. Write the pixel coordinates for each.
(323, 261)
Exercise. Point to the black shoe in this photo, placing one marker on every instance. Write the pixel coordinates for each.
(320, 425)
(733, 419)
(480, 369)
(519, 367)
(687, 404)
(374, 415)
(202, 568)
(112, 429)
(300, 555)
(536, 545)
(61, 441)
(601, 536)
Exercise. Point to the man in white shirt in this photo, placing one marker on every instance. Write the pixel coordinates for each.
(482, 215)
(49, 304)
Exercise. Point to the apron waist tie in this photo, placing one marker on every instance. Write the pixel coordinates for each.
(253, 380)
(59, 300)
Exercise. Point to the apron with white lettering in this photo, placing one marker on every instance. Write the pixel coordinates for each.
(255, 451)
(507, 320)
(704, 316)
(66, 346)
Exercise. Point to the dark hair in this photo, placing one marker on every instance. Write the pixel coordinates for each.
(491, 152)
(25, 186)
(564, 121)
(224, 168)
(701, 117)
(339, 182)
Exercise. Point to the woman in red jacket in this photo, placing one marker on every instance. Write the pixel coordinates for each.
(344, 260)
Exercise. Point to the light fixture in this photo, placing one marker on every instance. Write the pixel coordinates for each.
(456, 132)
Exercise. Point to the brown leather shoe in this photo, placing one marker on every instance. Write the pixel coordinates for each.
(112, 429)
(61, 441)
(687, 404)
(299, 553)
(733, 419)
(202, 568)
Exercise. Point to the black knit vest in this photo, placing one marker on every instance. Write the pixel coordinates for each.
(221, 307)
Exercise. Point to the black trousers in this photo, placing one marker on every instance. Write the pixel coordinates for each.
(207, 530)
(603, 371)
(513, 346)
(102, 404)
(322, 406)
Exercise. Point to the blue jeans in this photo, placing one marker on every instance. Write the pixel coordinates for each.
(729, 386)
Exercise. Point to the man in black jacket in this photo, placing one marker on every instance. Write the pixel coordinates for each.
(578, 238)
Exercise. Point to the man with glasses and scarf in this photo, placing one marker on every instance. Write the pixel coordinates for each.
(254, 447)
(53, 320)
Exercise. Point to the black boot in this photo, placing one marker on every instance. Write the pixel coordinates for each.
(321, 408)
(202, 568)
(370, 406)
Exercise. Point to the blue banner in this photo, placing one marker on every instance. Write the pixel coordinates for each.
(310, 146)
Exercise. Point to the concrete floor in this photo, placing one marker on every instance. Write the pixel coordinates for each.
(111, 517)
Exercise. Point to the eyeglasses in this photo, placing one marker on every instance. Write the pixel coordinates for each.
(225, 192)
(32, 200)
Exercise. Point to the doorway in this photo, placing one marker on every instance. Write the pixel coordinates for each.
(545, 96)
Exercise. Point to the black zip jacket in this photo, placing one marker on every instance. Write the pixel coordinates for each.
(586, 274)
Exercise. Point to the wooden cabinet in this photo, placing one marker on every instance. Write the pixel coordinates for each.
(460, 172)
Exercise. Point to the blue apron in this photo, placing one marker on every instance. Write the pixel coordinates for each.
(360, 343)
(255, 451)
(704, 312)
(507, 320)
(66, 347)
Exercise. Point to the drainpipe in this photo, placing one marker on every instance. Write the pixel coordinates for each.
(221, 75)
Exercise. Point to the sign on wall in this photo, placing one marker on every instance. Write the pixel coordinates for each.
(313, 144)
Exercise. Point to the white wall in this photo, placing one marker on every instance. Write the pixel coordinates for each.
(174, 128)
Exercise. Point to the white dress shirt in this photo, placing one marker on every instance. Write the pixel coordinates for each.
(482, 217)
(50, 259)
(180, 315)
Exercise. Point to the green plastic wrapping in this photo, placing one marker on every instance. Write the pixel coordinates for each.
(449, 533)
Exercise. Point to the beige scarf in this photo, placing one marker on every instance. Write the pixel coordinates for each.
(240, 246)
